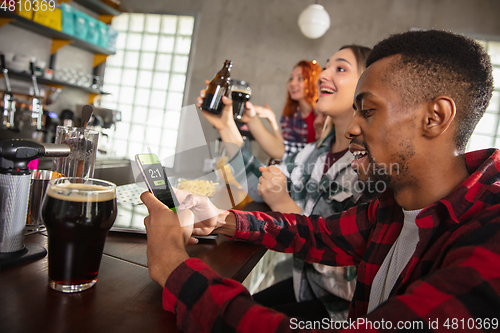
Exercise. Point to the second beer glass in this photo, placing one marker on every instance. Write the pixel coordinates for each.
(240, 93)
(78, 213)
(83, 144)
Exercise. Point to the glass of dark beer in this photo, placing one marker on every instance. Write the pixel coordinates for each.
(78, 213)
(240, 94)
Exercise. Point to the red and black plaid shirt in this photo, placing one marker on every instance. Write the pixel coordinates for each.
(452, 282)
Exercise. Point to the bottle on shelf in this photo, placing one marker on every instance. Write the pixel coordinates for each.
(220, 86)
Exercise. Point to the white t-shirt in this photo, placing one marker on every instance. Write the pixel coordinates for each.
(396, 260)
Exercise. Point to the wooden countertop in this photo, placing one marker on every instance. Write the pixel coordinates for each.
(124, 298)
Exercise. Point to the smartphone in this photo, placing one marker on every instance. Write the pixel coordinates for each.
(156, 180)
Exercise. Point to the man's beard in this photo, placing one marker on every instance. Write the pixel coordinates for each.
(379, 178)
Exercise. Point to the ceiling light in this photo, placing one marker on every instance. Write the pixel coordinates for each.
(314, 21)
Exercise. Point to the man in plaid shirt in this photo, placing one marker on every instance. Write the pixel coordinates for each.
(427, 249)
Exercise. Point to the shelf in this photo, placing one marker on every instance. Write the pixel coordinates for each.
(99, 7)
(53, 34)
(40, 80)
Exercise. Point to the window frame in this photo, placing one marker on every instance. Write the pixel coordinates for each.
(130, 122)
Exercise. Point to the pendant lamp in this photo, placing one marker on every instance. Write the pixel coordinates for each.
(314, 21)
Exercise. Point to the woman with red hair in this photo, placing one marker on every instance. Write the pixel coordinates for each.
(297, 118)
(301, 101)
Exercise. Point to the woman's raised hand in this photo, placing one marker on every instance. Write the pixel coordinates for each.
(265, 112)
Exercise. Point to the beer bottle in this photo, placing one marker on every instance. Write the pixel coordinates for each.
(218, 87)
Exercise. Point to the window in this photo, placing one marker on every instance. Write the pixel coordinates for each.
(487, 132)
(146, 79)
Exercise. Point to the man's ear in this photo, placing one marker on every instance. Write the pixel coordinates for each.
(441, 112)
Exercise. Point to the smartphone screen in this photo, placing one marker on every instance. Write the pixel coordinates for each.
(156, 180)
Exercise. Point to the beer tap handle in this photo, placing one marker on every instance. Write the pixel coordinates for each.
(5, 72)
(33, 79)
(36, 103)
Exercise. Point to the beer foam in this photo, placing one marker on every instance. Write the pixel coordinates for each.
(81, 192)
(243, 91)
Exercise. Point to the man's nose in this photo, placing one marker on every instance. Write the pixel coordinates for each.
(353, 128)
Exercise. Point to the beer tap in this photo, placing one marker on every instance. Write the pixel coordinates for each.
(9, 106)
(36, 103)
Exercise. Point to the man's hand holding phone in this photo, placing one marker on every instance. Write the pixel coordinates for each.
(168, 232)
(167, 235)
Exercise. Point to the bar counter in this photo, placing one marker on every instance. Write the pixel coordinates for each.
(124, 299)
